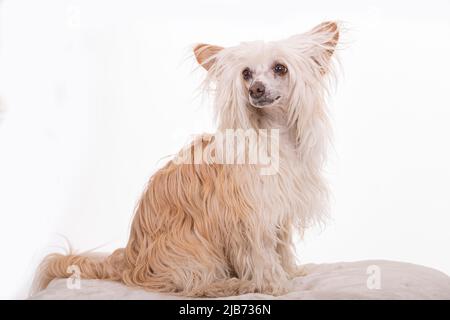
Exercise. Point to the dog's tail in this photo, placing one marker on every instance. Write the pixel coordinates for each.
(83, 266)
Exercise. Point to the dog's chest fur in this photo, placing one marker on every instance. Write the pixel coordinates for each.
(281, 193)
(285, 195)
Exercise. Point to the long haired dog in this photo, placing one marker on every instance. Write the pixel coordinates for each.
(215, 228)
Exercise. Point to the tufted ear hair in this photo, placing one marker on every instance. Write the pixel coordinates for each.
(326, 37)
(205, 54)
(331, 30)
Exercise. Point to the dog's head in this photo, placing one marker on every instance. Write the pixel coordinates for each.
(263, 75)
(267, 75)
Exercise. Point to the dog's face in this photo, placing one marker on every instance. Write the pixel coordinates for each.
(261, 71)
(266, 83)
(272, 74)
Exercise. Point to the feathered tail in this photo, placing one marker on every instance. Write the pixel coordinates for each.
(90, 266)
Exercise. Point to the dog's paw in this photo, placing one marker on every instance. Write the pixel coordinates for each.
(298, 272)
(277, 288)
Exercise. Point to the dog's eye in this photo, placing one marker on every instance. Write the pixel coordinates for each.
(246, 74)
(280, 69)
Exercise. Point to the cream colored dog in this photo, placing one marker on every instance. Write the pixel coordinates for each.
(215, 228)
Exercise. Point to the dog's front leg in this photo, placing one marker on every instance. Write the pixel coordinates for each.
(286, 252)
(254, 258)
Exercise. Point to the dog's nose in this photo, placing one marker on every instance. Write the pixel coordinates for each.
(257, 90)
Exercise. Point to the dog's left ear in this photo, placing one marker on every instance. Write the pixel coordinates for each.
(326, 37)
(205, 54)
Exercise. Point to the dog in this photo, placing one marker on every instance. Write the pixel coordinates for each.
(211, 228)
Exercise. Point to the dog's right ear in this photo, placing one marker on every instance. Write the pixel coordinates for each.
(205, 54)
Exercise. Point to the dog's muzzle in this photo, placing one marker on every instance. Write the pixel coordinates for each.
(258, 95)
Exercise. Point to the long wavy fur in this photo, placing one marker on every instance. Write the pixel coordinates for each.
(218, 229)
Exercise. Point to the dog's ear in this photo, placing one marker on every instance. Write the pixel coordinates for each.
(205, 53)
(326, 36)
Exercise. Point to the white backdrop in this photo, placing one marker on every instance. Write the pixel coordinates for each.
(93, 95)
